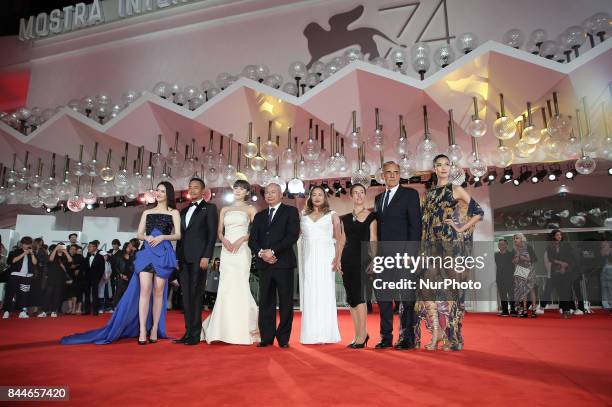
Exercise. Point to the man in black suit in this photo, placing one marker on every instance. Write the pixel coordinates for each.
(398, 212)
(505, 277)
(92, 269)
(113, 256)
(273, 233)
(199, 223)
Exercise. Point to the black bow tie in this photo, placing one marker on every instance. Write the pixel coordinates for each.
(193, 204)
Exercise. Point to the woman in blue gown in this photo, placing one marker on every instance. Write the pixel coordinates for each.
(136, 314)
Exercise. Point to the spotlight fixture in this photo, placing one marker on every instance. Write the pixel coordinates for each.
(48, 210)
(325, 187)
(555, 174)
(339, 189)
(113, 204)
(523, 176)
(492, 177)
(254, 198)
(539, 176)
(571, 173)
(127, 203)
(610, 171)
(507, 177)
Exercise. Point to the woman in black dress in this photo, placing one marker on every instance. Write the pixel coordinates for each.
(57, 275)
(73, 285)
(125, 269)
(358, 226)
(561, 261)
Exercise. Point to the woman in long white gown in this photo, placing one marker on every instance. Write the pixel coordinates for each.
(234, 316)
(321, 248)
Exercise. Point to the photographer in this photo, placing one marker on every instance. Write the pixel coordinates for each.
(57, 276)
(20, 279)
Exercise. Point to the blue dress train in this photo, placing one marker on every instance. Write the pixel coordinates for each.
(124, 322)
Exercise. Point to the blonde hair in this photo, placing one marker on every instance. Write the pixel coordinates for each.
(522, 236)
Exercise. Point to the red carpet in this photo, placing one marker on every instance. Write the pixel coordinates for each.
(507, 361)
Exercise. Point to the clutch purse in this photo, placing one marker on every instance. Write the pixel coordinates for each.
(522, 272)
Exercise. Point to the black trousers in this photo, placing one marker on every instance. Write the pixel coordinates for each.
(407, 318)
(122, 285)
(53, 296)
(19, 287)
(563, 284)
(92, 302)
(505, 288)
(271, 283)
(81, 290)
(192, 279)
(577, 287)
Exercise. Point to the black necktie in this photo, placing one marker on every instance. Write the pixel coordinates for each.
(270, 215)
(386, 200)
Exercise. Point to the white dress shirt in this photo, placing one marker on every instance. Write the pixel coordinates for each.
(275, 210)
(190, 212)
(273, 215)
(391, 193)
(24, 272)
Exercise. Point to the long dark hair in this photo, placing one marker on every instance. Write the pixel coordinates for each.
(169, 194)
(433, 182)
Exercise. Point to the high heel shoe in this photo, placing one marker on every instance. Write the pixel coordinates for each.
(350, 345)
(437, 334)
(152, 340)
(142, 342)
(363, 344)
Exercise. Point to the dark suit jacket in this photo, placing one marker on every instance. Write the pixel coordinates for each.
(114, 260)
(16, 267)
(96, 271)
(280, 236)
(401, 221)
(199, 237)
(504, 266)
